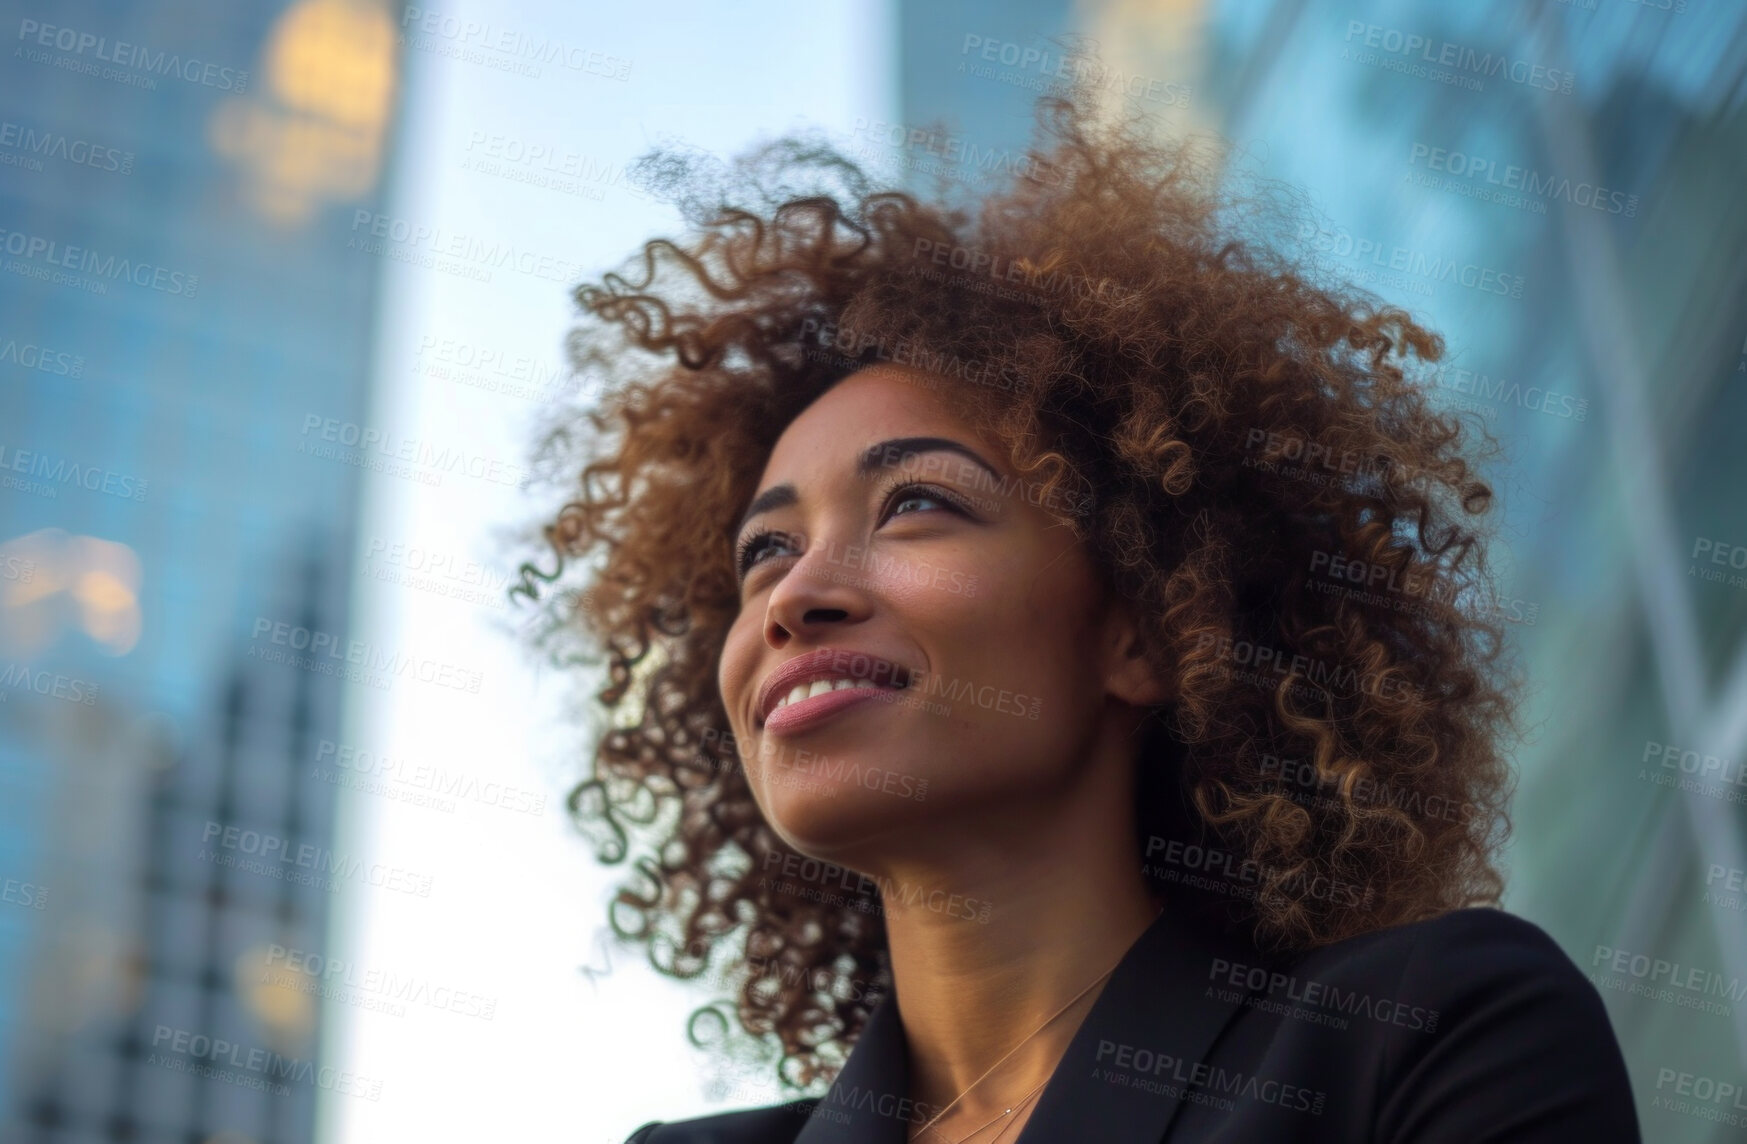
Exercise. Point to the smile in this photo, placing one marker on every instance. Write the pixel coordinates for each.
(819, 687)
(813, 686)
(808, 704)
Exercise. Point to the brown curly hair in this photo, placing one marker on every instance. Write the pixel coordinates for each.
(1233, 433)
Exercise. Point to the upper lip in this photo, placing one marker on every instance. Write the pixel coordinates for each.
(828, 663)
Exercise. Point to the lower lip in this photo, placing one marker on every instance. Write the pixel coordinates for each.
(805, 713)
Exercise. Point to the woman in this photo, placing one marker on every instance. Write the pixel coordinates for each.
(1053, 674)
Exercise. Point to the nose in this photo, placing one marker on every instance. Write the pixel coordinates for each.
(816, 592)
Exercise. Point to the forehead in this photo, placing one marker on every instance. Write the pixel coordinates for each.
(876, 404)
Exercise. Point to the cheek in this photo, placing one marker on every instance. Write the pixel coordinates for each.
(1023, 632)
(734, 672)
(1006, 691)
(1019, 662)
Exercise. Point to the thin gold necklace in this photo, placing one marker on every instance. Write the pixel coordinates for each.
(1017, 1045)
(1008, 1127)
(1020, 1103)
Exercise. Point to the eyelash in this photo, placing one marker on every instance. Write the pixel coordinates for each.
(752, 544)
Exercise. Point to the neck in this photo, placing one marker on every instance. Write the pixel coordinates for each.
(1065, 900)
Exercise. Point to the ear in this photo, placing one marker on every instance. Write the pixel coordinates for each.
(1128, 675)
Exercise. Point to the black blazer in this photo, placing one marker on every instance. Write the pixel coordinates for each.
(1472, 1027)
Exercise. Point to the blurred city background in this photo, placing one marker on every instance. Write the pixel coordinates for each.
(282, 832)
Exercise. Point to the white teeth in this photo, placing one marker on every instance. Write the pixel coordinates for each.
(819, 687)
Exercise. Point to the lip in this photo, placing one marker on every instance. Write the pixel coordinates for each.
(828, 663)
(802, 714)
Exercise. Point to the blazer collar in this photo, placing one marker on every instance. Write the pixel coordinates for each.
(1156, 1002)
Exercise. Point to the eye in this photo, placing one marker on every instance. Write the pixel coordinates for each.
(908, 493)
(918, 497)
(754, 546)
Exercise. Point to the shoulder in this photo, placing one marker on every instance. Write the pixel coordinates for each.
(1475, 972)
(1456, 950)
(773, 1124)
(1486, 1022)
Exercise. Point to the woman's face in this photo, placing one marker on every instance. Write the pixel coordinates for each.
(889, 543)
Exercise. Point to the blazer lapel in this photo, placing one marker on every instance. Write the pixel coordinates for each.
(1123, 1075)
(1120, 1080)
(868, 1103)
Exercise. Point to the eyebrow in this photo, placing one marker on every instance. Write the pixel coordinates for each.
(872, 458)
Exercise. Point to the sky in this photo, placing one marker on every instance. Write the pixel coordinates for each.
(517, 903)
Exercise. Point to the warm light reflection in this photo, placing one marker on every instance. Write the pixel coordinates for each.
(279, 995)
(76, 581)
(315, 130)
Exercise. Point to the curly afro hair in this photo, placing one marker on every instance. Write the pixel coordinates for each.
(1242, 442)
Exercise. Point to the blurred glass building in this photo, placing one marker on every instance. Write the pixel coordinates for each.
(177, 186)
(1556, 188)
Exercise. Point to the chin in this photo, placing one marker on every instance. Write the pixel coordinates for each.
(826, 816)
